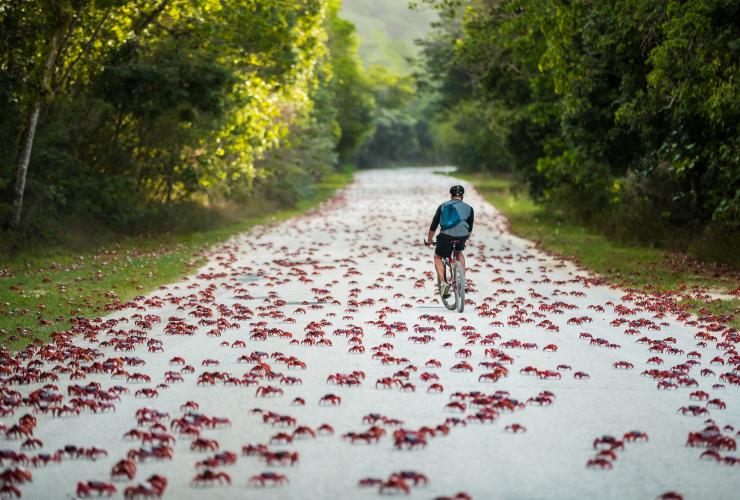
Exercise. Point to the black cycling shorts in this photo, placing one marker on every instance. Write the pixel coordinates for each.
(444, 244)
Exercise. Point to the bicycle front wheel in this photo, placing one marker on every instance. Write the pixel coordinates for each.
(460, 286)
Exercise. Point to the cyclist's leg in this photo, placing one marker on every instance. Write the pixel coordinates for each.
(442, 284)
(439, 267)
(442, 252)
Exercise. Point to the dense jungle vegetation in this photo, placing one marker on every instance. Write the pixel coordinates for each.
(623, 115)
(124, 116)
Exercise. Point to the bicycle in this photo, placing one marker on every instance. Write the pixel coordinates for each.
(454, 275)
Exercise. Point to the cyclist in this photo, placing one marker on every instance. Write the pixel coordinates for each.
(456, 219)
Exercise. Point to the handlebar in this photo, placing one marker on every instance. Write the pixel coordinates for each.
(454, 243)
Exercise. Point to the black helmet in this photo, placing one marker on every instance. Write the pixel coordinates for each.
(457, 190)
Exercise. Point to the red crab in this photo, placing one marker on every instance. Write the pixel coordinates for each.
(281, 458)
(147, 393)
(608, 442)
(462, 366)
(623, 365)
(394, 485)
(461, 495)
(699, 396)
(325, 430)
(330, 400)
(599, 463)
(190, 406)
(548, 375)
(99, 488)
(670, 495)
(32, 444)
(281, 438)
(226, 458)
(632, 436)
(209, 477)
(8, 490)
(408, 440)
(716, 404)
(268, 391)
(202, 444)
(251, 450)
(266, 478)
(156, 488)
(16, 475)
(693, 410)
(456, 406)
(124, 469)
(19, 430)
(515, 428)
(303, 431)
(416, 477)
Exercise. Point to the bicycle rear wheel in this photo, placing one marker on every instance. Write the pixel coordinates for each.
(450, 302)
(460, 285)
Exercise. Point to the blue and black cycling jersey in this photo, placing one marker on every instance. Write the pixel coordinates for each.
(464, 227)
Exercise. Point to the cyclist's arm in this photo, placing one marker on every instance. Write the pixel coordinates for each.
(435, 224)
(470, 220)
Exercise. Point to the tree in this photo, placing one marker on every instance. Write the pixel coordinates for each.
(56, 20)
(41, 47)
(623, 114)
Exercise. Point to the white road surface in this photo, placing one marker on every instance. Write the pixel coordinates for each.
(367, 239)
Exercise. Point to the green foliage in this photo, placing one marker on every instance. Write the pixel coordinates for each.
(622, 113)
(159, 103)
(471, 133)
(400, 133)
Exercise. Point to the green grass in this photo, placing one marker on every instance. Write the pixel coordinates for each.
(629, 266)
(40, 291)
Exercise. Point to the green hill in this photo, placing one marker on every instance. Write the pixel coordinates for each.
(387, 30)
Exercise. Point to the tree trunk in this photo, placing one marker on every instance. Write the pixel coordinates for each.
(26, 145)
(24, 157)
